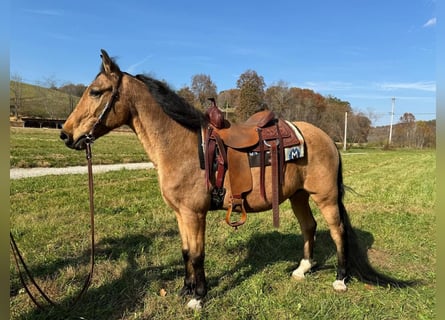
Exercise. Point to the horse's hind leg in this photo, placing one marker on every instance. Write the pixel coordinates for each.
(308, 225)
(329, 207)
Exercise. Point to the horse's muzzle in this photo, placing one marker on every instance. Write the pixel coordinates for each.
(79, 144)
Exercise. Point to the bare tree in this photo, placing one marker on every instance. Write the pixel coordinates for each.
(73, 89)
(74, 92)
(406, 129)
(279, 99)
(44, 93)
(43, 101)
(228, 100)
(425, 134)
(50, 82)
(372, 115)
(203, 88)
(16, 84)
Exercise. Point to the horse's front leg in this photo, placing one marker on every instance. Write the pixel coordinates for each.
(192, 229)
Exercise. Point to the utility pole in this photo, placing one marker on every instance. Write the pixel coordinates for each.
(346, 130)
(393, 99)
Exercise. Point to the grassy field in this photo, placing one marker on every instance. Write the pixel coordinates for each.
(40, 101)
(42, 148)
(138, 246)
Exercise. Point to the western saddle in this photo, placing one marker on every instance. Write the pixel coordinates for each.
(258, 142)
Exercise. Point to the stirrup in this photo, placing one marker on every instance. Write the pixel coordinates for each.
(235, 203)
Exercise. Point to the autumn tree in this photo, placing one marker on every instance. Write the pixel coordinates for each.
(203, 88)
(251, 95)
(414, 134)
(187, 95)
(279, 99)
(306, 105)
(425, 134)
(333, 119)
(359, 126)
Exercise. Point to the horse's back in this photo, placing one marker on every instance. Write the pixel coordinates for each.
(316, 140)
(313, 133)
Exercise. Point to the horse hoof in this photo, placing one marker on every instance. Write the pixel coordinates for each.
(195, 304)
(298, 275)
(340, 286)
(305, 266)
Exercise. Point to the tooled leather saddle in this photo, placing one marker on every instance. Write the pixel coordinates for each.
(259, 142)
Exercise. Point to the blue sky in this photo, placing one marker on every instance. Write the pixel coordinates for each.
(364, 52)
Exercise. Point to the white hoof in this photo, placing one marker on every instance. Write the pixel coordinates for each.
(305, 266)
(339, 285)
(298, 275)
(195, 304)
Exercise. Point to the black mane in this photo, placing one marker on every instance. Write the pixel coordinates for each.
(173, 105)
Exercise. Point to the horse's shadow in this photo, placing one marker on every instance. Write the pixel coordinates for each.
(103, 302)
(263, 249)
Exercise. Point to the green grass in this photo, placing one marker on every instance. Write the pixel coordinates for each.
(38, 101)
(43, 148)
(138, 248)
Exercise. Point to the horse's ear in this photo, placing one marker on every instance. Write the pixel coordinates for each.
(108, 65)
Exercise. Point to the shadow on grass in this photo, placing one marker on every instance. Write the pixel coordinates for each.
(273, 247)
(123, 295)
(117, 297)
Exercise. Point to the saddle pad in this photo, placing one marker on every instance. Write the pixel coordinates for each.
(297, 151)
(290, 153)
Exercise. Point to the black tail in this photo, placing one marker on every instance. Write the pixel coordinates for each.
(358, 264)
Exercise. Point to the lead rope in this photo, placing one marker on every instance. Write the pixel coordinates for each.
(18, 258)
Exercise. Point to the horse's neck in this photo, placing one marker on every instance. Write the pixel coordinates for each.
(166, 142)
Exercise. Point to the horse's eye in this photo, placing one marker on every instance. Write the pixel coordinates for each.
(95, 93)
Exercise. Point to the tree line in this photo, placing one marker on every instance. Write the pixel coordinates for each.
(407, 133)
(250, 95)
(410, 133)
(296, 104)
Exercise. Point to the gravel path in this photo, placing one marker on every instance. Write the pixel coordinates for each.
(19, 173)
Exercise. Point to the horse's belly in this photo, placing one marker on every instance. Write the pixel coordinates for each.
(254, 200)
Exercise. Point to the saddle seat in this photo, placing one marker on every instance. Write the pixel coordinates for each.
(245, 135)
(228, 148)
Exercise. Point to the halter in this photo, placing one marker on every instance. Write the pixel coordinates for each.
(18, 258)
(114, 96)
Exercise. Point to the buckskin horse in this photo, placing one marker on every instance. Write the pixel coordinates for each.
(171, 131)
